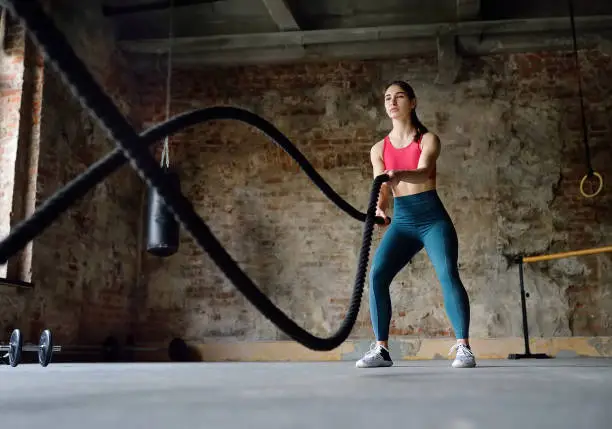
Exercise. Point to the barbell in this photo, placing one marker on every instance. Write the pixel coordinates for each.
(110, 350)
(15, 347)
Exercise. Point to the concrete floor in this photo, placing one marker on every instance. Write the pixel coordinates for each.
(559, 394)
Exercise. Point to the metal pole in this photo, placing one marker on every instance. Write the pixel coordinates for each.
(524, 309)
(527, 354)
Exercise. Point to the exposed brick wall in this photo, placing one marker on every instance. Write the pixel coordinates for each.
(11, 82)
(85, 284)
(509, 172)
(84, 266)
(26, 162)
(569, 296)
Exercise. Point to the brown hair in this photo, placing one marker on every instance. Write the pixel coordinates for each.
(420, 128)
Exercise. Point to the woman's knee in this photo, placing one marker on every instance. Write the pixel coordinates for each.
(448, 273)
(451, 280)
(379, 277)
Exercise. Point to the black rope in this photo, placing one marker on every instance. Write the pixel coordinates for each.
(52, 208)
(76, 76)
(584, 124)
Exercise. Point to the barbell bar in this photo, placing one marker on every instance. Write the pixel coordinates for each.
(110, 349)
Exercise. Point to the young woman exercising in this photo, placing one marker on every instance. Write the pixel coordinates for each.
(408, 154)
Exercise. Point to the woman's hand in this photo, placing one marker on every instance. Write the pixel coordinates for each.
(381, 213)
(393, 177)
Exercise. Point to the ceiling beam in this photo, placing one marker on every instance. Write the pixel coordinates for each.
(468, 10)
(282, 15)
(110, 10)
(447, 40)
(449, 59)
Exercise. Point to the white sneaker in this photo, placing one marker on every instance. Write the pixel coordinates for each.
(377, 356)
(465, 357)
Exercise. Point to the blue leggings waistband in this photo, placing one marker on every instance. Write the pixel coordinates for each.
(419, 208)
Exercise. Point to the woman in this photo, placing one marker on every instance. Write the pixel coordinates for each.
(408, 156)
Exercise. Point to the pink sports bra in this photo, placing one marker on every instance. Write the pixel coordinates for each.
(406, 158)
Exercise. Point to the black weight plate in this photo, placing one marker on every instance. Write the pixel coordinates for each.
(45, 348)
(15, 346)
(111, 349)
(178, 350)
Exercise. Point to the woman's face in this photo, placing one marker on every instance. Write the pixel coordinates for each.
(397, 103)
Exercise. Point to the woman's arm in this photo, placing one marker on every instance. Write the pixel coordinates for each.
(378, 167)
(427, 162)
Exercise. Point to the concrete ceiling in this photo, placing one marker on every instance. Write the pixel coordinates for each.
(212, 32)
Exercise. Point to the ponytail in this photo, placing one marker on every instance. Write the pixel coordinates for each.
(420, 128)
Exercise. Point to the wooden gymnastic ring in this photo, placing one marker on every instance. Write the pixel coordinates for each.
(584, 194)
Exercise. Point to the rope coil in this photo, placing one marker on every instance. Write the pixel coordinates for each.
(133, 148)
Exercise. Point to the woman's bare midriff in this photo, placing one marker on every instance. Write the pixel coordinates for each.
(402, 189)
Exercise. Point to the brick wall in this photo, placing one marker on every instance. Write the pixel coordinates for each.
(26, 161)
(509, 173)
(85, 283)
(11, 82)
(84, 266)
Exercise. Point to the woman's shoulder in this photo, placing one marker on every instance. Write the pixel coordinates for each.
(377, 148)
(430, 141)
(429, 135)
(430, 138)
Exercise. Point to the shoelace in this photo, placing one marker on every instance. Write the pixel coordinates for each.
(374, 349)
(461, 349)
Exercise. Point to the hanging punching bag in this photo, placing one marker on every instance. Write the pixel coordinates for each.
(162, 228)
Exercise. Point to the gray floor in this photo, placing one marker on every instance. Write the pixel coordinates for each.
(559, 394)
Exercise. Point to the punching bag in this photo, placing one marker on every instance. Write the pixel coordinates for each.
(162, 228)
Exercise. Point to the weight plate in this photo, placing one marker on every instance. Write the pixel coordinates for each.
(111, 349)
(178, 350)
(45, 348)
(15, 345)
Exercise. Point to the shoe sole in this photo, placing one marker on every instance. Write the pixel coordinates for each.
(383, 365)
(460, 365)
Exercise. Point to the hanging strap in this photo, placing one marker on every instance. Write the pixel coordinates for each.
(587, 152)
(165, 159)
(584, 125)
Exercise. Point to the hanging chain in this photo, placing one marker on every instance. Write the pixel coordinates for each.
(165, 159)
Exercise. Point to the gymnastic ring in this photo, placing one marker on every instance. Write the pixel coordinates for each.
(584, 194)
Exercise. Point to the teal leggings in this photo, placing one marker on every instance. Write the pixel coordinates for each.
(419, 221)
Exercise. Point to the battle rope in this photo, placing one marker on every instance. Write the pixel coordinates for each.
(590, 171)
(76, 76)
